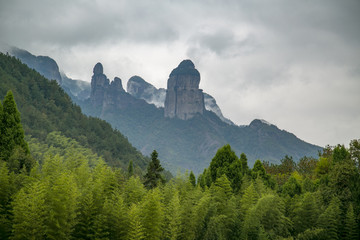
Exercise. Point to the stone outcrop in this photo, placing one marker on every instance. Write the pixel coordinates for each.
(184, 99)
(139, 88)
(110, 96)
(103, 93)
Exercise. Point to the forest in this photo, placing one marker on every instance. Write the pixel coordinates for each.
(62, 190)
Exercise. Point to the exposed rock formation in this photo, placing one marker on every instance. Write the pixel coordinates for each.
(109, 96)
(184, 99)
(141, 89)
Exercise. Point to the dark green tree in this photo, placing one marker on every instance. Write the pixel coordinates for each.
(351, 229)
(153, 177)
(130, 169)
(340, 153)
(330, 220)
(226, 162)
(12, 134)
(292, 187)
(192, 178)
(244, 163)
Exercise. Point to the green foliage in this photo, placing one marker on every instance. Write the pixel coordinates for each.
(292, 187)
(330, 220)
(306, 214)
(351, 228)
(13, 147)
(153, 176)
(340, 154)
(226, 162)
(152, 214)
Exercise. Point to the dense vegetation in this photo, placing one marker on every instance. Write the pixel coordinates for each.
(70, 193)
(45, 108)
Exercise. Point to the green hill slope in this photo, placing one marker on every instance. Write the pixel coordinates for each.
(45, 107)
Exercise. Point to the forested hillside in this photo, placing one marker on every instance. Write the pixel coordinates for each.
(70, 193)
(45, 108)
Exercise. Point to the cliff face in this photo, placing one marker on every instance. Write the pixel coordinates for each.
(184, 99)
(106, 96)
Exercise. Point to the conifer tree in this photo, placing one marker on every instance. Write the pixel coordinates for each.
(11, 128)
(306, 214)
(130, 169)
(330, 220)
(244, 163)
(351, 228)
(192, 178)
(153, 176)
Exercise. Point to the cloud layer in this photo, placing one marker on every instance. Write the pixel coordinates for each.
(293, 63)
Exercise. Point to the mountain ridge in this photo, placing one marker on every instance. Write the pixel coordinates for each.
(192, 143)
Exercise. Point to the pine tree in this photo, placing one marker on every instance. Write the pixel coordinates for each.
(153, 176)
(330, 220)
(130, 169)
(244, 163)
(192, 179)
(351, 229)
(12, 133)
(306, 214)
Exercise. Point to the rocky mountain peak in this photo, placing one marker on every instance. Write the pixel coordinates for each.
(99, 85)
(186, 67)
(116, 85)
(184, 99)
(98, 69)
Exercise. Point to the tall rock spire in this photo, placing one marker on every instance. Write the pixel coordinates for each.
(184, 99)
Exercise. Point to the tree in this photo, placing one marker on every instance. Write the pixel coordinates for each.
(173, 218)
(226, 162)
(153, 176)
(351, 229)
(12, 133)
(306, 214)
(152, 214)
(355, 151)
(292, 187)
(244, 163)
(136, 229)
(30, 213)
(192, 179)
(130, 169)
(330, 220)
(340, 153)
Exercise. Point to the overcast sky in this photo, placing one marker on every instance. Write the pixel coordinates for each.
(295, 63)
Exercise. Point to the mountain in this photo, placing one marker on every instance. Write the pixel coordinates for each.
(45, 108)
(139, 88)
(190, 143)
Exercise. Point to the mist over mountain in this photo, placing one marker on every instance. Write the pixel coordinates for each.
(140, 114)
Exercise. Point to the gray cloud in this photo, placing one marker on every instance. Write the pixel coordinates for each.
(293, 63)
